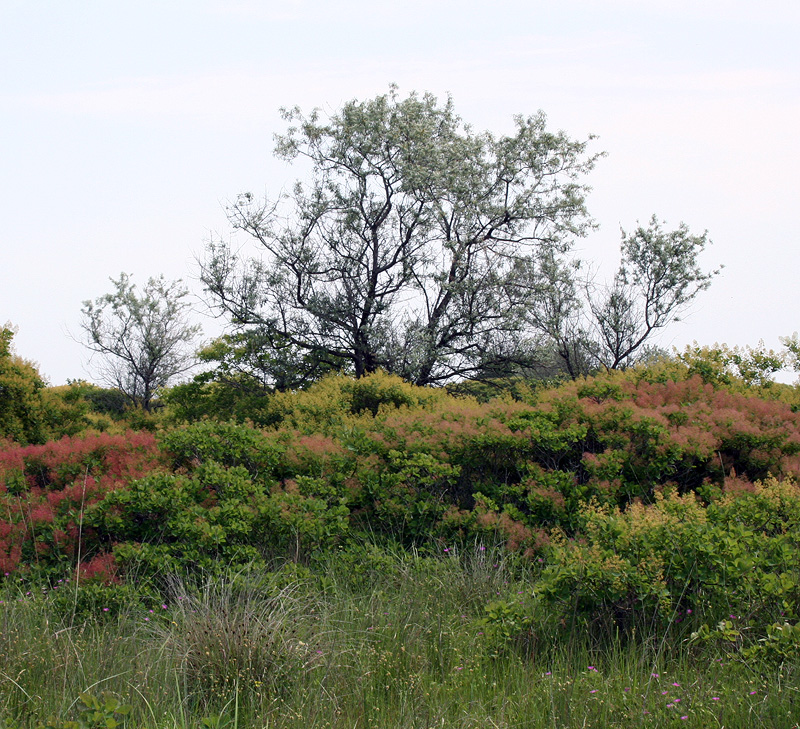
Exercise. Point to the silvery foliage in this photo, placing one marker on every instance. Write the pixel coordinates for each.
(143, 339)
(417, 245)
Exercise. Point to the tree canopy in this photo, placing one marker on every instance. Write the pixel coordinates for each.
(596, 326)
(21, 391)
(403, 250)
(426, 249)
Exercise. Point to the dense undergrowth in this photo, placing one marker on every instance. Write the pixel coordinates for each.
(546, 559)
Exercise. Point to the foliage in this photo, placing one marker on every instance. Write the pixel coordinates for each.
(235, 639)
(326, 651)
(20, 394)
(45, 491)
(237, 399)
(94, 712)
(653, 565)
(412, 248)
(430, 251)
(330, 404)
(659, 276)
(720, 364)
(378, 455)
(619, 536)
(608, 326)
(227, 444)
(141, 338)
(31, 412)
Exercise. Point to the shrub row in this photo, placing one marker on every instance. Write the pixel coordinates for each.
(639, 497)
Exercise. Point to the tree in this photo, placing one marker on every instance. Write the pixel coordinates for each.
(21, 392)
(723, 365)
(658, 278)
(143, 339)
(609, 326)
(406, 250)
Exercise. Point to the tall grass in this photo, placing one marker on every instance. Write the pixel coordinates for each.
(364, 640)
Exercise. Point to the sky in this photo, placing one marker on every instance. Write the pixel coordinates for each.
(125, 129)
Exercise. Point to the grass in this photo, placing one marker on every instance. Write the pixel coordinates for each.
(380, 641)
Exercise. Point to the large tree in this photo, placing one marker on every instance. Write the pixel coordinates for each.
(409, 247)
(143, 339)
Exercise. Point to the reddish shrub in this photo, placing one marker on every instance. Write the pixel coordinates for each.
(102, 568)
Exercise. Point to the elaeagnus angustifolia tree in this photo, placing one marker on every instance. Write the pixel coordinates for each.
(402, 250)
(143, 339)
(426, 249)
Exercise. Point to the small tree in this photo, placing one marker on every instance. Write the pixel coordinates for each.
(30, 411)
(143, 339)
(658, 278)
(610, 326)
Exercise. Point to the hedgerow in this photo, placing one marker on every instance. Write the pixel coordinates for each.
(641, 497)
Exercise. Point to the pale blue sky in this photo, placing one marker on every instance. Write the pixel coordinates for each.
(124, 129)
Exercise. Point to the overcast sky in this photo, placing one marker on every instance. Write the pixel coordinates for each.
(126, 127)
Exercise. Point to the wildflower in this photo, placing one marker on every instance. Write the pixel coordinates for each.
(654, 675)
(105, 610)
(676, 684)
(715, 698)
(592, 668)
(684, 718)
(593, 691)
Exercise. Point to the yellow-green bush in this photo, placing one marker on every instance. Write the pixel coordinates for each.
(657, 564)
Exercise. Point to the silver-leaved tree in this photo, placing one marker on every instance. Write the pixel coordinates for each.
(143, 339)
(417, 246)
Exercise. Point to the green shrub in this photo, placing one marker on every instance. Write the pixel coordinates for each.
(656, 564)
(228, 444)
